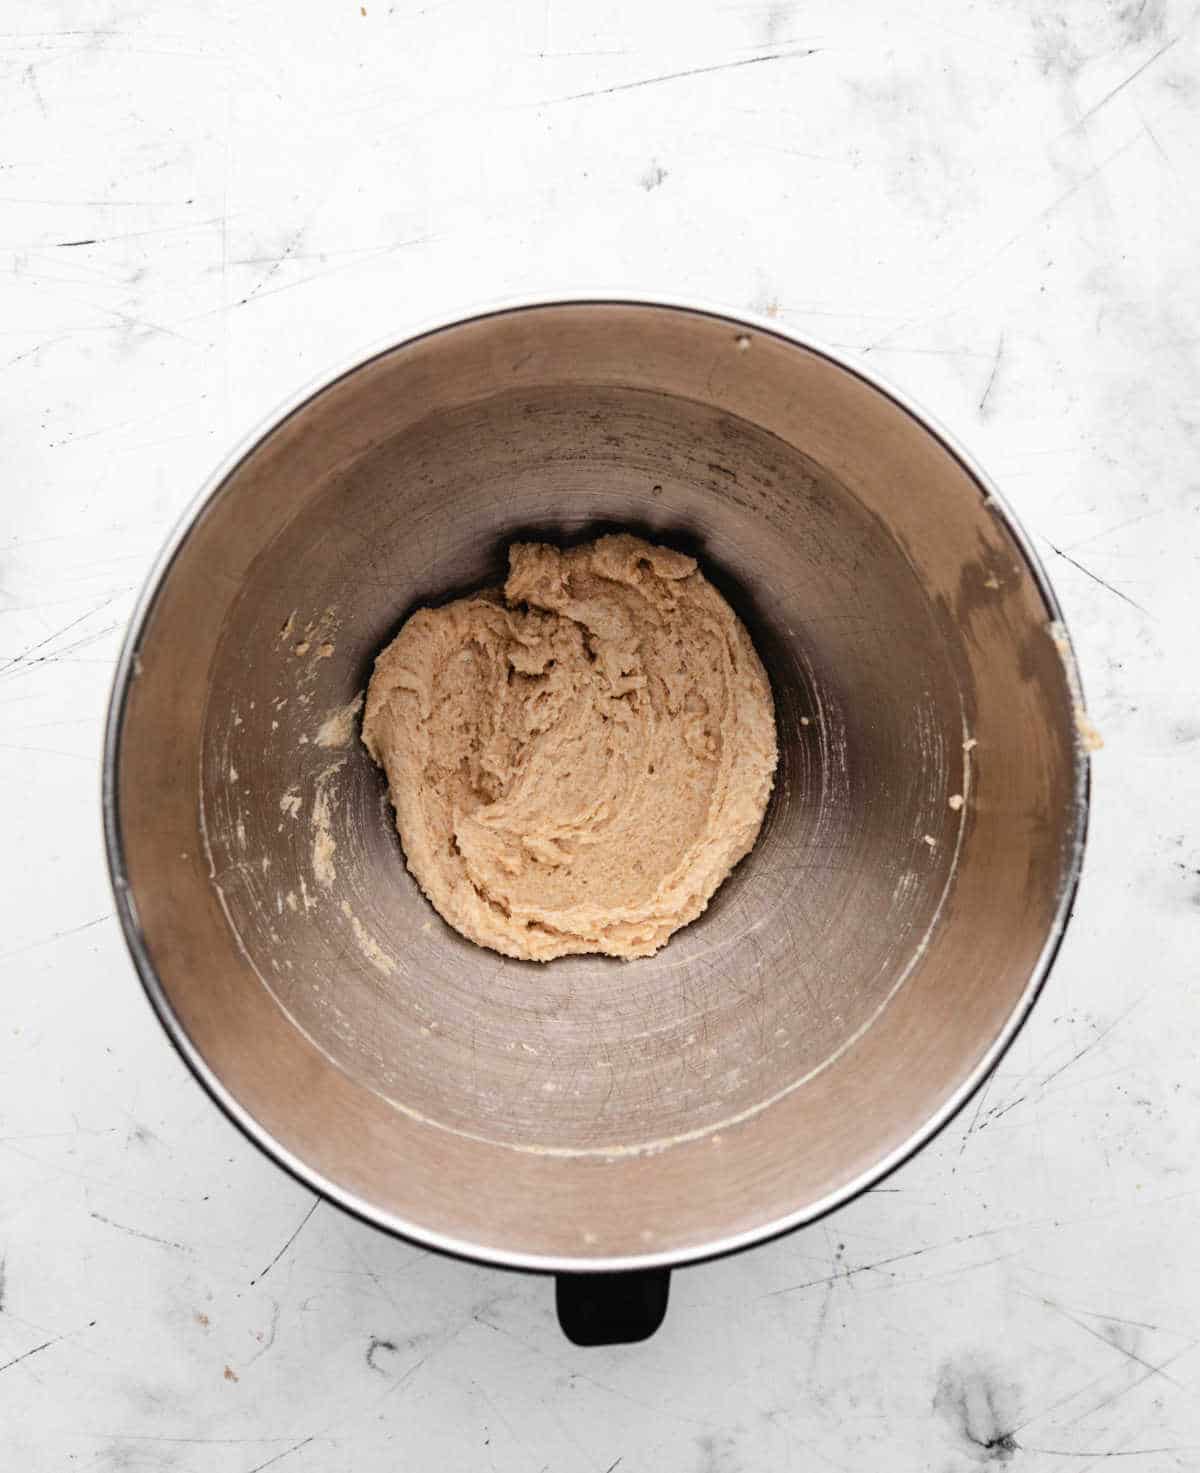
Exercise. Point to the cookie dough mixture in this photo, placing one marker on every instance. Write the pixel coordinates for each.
(579, 759)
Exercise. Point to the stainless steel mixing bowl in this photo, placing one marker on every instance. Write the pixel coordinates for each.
(850, 983)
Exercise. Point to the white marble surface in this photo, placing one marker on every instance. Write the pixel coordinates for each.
(998, 205)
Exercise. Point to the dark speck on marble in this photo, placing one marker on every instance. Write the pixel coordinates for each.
(981, 1407)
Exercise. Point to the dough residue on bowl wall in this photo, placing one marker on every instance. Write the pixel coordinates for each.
(337, 730)
(324, 845)
(1089, 737)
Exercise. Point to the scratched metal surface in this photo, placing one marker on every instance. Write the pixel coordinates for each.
(999, 210)
(404, 1004)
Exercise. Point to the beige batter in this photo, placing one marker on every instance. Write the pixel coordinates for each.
(578, 760)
